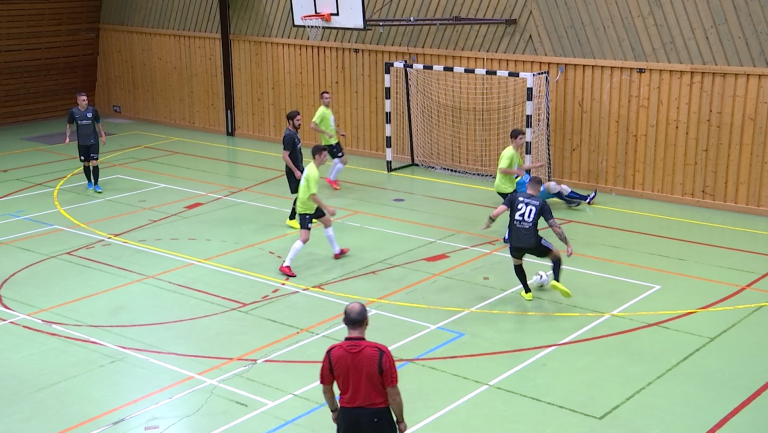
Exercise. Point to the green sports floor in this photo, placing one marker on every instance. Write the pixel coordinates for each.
(157, 305)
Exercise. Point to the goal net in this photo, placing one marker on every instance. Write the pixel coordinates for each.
(458, 120)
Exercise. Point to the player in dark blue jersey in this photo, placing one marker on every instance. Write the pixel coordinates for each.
(526, 209)
(87, 119)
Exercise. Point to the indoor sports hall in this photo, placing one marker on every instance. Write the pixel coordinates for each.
(156, 305)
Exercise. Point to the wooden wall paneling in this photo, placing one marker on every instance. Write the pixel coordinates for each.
(685, 174)
(678, 145)
(735, 145)
(721, 169)
(746, 141)
(758, 191)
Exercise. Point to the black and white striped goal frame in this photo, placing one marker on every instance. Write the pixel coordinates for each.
(529, 107)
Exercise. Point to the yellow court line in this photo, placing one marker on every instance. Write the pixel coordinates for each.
(347, 295)
(472, 186)
(60, 144)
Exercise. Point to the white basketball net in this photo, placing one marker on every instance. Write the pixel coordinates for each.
(314, 27)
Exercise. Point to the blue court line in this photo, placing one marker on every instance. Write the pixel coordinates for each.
(29, 219)
(457, 335)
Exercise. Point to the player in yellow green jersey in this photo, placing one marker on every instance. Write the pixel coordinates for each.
(511, 175)
(324, 123)
(309, 207)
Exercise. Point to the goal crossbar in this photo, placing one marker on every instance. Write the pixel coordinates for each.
(531, 90)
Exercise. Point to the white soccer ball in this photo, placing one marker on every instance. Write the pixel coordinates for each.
(540, 279)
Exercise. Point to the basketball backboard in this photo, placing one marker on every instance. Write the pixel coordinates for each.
(345, 14)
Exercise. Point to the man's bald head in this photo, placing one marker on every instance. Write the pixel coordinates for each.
(355, 316)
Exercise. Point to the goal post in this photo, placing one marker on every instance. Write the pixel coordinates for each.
(458, 120)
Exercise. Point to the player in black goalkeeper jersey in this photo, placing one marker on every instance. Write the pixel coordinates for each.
(525, 211)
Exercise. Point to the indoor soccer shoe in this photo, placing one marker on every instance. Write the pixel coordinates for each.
(287, 271)
(333, 183)
(341, 253)
(527, 296)
(591, 197)
(560, 288)
(293, 224)
(90, 185)
(97, 188)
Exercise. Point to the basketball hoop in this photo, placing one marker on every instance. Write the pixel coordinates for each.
(314, 24)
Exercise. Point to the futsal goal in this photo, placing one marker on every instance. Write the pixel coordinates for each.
(458, 120)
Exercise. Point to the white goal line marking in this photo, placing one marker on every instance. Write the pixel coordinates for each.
(137, 355)
(528, 362)
(22, 217)
(390, 231)
(50, 189)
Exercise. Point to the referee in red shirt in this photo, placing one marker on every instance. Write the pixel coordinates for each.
(367, 378)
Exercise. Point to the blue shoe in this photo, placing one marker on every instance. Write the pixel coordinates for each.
(97, 188)
(90, 185)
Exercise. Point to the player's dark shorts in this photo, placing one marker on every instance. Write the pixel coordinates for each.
(335, 151)
(305, 219)
(503, 195)
(544, 249)
(89, 152)
(365, 420)
(293, 183)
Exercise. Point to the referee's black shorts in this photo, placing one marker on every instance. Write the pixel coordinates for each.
(293, 183)
(365, 420)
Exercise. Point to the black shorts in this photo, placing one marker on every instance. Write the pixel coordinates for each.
(89, 152)
(365, 420)
(544, 249)
(305, 219)
(503, 195)
(293, 183)
(335, 151)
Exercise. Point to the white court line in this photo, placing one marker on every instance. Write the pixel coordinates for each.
(10, 321)
(21, 217)
(138, 355)
(391, 232)
(51, 189)
(222, 377)
(308, 387)
(528, 362)
(25, 233)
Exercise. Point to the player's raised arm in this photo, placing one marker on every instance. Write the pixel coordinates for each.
(495, 215)
(546, 213)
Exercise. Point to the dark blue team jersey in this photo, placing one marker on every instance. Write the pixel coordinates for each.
(86, 121)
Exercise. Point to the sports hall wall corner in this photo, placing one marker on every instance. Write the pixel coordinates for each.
(664, 100)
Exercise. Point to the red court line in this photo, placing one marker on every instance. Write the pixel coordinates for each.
(258, 349)
(739, 408)
(29, 187)
(160, 279)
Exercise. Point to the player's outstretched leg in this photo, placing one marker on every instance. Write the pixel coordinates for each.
(337, 252)
(553, 190)
(557, 262)
(573, 195)
(285, 268)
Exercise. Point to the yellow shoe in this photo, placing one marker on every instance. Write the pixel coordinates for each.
(527, 296)
(293, 224)
(560, 288)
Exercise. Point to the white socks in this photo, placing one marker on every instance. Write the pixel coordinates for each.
(332, 239)
(294, 250)
(336, 169)
(298, 245)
